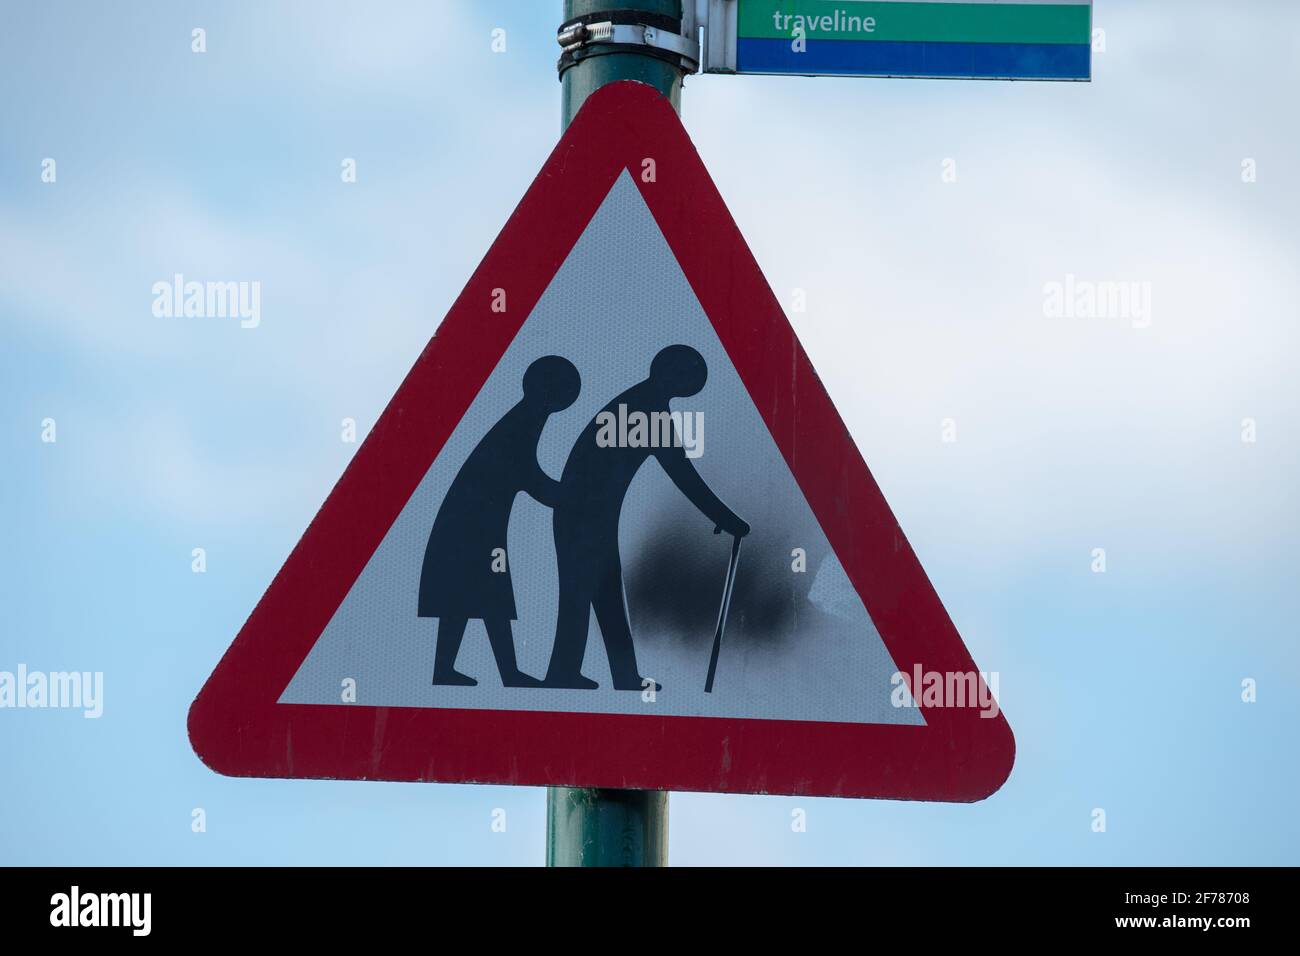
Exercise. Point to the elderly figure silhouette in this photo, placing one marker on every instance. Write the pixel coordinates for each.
(592, 488)
(460, 579)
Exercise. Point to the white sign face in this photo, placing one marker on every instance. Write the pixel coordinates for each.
(798, 643)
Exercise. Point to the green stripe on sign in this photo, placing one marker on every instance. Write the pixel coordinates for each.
(933, 22)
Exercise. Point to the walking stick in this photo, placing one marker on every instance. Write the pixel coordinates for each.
(722, 611)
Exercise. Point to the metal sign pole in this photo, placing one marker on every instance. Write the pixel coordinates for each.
(604, 41)
(590, 827)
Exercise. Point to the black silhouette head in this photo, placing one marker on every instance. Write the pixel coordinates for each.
(552, 382)
(679, 371)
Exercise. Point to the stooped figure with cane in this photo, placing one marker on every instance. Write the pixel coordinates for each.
(593, 485)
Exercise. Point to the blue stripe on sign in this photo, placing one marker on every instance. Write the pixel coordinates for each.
(1028, 61)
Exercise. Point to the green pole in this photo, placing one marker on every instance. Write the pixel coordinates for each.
(590, 827)
(594, 71)
(587, 827)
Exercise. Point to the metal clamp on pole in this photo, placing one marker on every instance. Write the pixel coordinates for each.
(627, 31)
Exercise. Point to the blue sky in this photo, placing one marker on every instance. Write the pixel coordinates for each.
(924, 303)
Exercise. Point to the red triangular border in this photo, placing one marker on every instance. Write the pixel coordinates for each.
(237, 727)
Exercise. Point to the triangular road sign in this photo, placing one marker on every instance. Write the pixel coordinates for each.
(505, 588)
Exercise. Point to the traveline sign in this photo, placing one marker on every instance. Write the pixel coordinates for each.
(956, 39)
